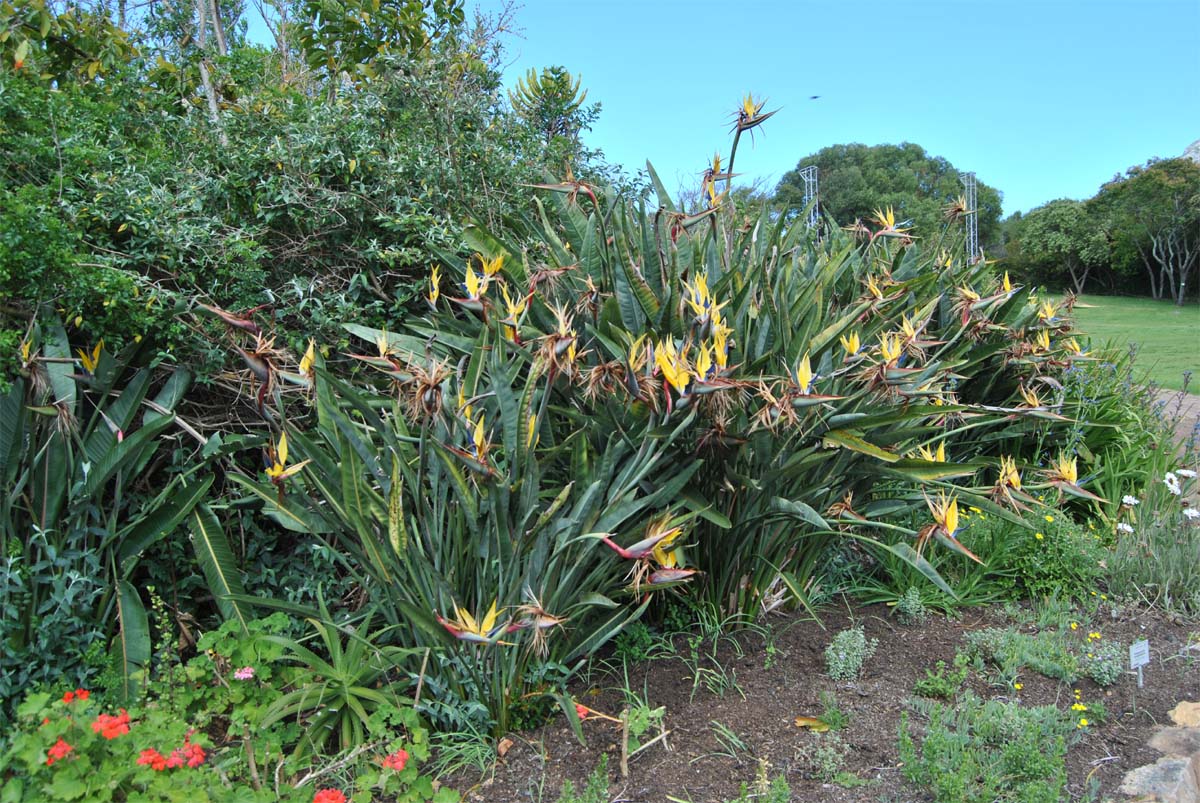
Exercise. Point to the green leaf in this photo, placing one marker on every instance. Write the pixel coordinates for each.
(217, 562)
(160, 523)
(133, 639)
(854, 443)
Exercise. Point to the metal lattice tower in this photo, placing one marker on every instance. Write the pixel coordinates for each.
(811, 193)
(973, 252)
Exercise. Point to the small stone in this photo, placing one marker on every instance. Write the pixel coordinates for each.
(1186, 714)
(1181, 742)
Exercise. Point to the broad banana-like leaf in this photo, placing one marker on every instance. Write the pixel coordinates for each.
(217, 563)
(133, 639)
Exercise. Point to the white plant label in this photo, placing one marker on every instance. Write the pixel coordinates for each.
(1139, 656)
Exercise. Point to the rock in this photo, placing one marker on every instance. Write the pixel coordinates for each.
(1178, 742)
(1186, 714)
(1193, 151)
(1168, 780)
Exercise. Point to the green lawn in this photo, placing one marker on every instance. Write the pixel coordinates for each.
(1168, 336)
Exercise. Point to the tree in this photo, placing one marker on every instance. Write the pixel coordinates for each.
(1064, 233)
(552, 106)
(856, 179)
(1154, 215)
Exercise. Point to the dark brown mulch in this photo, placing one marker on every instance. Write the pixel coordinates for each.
(536, 765)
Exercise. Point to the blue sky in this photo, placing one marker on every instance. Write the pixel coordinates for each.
(1042, 98)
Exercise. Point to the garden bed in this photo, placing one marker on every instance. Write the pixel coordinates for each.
(739, 711)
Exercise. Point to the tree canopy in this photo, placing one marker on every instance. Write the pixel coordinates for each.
(856, 179)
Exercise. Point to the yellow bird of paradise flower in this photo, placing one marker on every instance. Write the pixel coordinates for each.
(89, 361)
(279, 470)
(931, 456)
(890, 347)
(804, 375)
(465, 627)
(435, 280)
(492, 266)
(674, 367)
(851, 343)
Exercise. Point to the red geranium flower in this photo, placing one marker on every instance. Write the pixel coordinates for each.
(69, 697)
(396, 761)
(153, 759)
(82, 694)
(58, 752)
(111, 727)
(329, 796)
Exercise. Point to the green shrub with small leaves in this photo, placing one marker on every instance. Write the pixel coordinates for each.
(910, 609)
(824, 757)
(979, 751)
(845, 655)
(1057, 557)
(1104, 663)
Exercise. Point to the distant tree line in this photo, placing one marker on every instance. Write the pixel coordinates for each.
(1140, 234)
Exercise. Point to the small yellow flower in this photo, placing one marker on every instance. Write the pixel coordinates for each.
(1048, 517)
(1074, 625)
(1079, 707)
(1039, 536)
(1094, 636)
(1018, 686)
(1077, 693)
(1083, 723)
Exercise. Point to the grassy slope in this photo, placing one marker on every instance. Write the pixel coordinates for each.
(1168, 337)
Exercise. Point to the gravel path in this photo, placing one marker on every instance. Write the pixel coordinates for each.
(1188, 407)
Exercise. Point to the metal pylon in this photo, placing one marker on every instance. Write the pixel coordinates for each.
(811, 193)
(973, 252)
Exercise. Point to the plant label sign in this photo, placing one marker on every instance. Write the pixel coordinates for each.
(1139, 656)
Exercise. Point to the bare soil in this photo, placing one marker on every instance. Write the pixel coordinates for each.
(773, 689)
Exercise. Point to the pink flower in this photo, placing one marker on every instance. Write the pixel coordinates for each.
(582, 710)
(329, 796)
(396, 761)
(245, 673)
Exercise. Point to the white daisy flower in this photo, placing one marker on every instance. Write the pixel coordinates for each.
(1186, 472)
(1124, 528)
(1129, 501)
(1191, 514)
(1172, 483)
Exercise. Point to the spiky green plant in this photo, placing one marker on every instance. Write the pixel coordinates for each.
(78, 437)
(621, 369)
